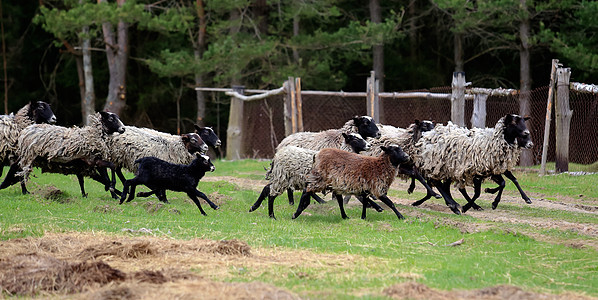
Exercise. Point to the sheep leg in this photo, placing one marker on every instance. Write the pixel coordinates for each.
(81, 185)
(389, 203)
(317, 198)
(271, 207)
(364, 200)
(411, 186)
(191, 195)
(369, 203)
(339, 199)
(101, 176)
(511, 177)
(303, 203)
(290, 195)
(265, 192)
(415, 174)
(445, 191)
(477, 185)
(123, 196)
(11, 177)
(501, 185)
(430, 193)
(203, 196)
(347, 198)
(132, 192)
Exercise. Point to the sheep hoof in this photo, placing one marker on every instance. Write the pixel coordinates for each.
(528, 201)
(478, 208)
(379, 209)
(401, 217)
(437, 196)
(494, 205)
(273, 217)
(252, 209)
(455, 210)
(215, 207)
(409, 190)
(417, 203)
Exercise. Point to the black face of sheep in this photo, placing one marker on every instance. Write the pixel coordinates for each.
(356, 142)
(111, 123)
(208, 135)
(396, 154)
(366, 126)
(420, 127)
(516, 131)
(40, 112)
(194, 143)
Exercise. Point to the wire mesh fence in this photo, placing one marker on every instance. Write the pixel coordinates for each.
(264, 121)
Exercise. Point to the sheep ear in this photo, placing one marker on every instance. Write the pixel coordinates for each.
(416, 122)
(526, 118)
(345, 135)
(32, 103)
(197, 128)
(104, 114)
(384, 148)
(185, 137)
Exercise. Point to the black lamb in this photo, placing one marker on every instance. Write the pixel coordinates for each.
(159, 175)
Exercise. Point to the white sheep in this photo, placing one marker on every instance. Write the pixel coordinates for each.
(290, 167)
(34, 112)
(346, 173)
(454, 154)
(62, 145)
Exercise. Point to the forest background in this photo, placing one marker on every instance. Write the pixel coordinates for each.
(143, 59)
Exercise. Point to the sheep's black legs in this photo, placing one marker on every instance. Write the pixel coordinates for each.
(411, 186)
(389, 203)
(430, 193)
(290, 195)
(445, 191)
(81, 185)
(501, 185)
(203, 196)
(271, 207)
(317, 198)
(303, 203)
(477, 186)
(339, 199)
(191, 195)
(364, 200)
(265, 192)
(511, 177)
(11, 178)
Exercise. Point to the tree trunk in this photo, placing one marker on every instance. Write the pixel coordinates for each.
(89, 98)
(4, 61)
(234, 131)
(260, 11)
(296, 33)
(414, 50)
(198, 52)
(117, 51)
(378, 49)
(81, 76)
(525, 77)
(458, 99)
(458, 52)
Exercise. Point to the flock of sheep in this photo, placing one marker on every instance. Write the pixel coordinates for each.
(361, 159)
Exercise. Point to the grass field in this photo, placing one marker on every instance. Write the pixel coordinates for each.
(547, 247)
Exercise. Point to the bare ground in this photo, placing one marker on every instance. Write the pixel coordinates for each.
(100, 266)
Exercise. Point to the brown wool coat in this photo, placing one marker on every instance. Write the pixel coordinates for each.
(349, 173)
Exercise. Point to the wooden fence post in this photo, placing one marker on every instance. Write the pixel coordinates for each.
(299, 104)
(478, 118)
(563, 119)
(458, 99)
(234, 133)
(372, 90)
(555, 63)
(288, 106)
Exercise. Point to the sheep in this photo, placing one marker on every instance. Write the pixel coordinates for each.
(160, 175)
(206, 134)
(137, 143)
(406, 138)
(349, 173)
(290, 167)
(60, 145)
(332, 138)
(34, 112)
(454, 154)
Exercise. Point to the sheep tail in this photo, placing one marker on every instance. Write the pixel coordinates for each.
(269, 172)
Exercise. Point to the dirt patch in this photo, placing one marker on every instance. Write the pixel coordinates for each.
(416, 291)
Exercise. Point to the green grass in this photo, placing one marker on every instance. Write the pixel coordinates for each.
(502, 255)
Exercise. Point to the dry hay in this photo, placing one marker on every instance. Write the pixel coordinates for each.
(118, 249)
(29, 274)
(196, 289)
(417, 291)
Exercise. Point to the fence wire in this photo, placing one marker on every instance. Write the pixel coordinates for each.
(264, 122)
